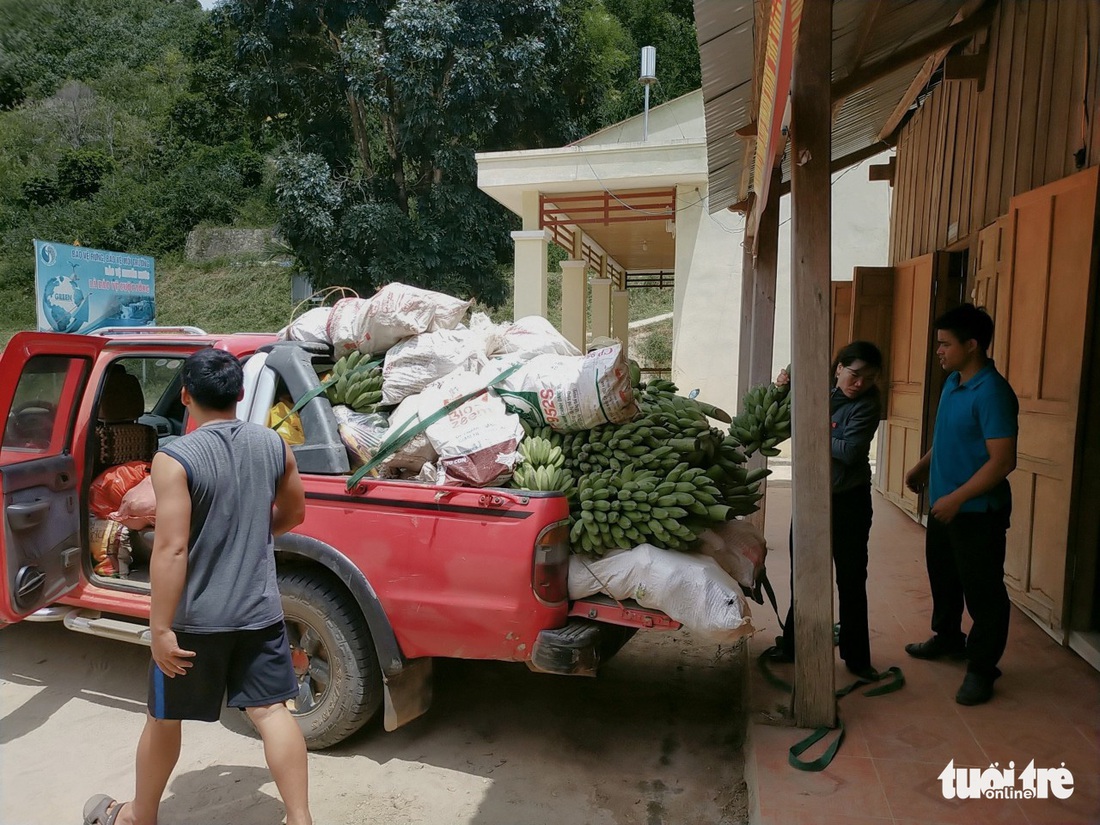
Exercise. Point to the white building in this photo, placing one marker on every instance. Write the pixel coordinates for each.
(632, 209)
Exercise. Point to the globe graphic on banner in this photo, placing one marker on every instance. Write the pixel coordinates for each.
(65, 304)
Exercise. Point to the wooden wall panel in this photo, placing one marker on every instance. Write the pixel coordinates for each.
(1001, 64)
(985, 121)
(1035, 72)
(1017, 59)
(1093, 132)
(966, 152)
(1067, 65)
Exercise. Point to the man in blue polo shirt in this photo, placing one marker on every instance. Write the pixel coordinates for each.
(973, 452)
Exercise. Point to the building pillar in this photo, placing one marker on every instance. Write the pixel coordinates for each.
(620, 317)
(814, 700)
(601, 307)
(574, 303)
(529, 288)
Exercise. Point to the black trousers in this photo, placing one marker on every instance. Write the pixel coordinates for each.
(851, 525)
(966, 565)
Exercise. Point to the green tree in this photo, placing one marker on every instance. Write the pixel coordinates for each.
(80, 172)
(383, 103)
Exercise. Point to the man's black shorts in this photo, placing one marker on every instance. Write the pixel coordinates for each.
(249, 668)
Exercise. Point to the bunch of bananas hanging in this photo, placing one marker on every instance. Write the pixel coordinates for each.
(619, 510)
(739, 486)
(542, 468)
(764, 420)
(356, 383)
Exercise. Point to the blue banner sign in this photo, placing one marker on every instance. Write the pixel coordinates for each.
(81, 290)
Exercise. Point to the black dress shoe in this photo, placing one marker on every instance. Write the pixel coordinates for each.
(976, 689)
(937, 648)
(778, 654)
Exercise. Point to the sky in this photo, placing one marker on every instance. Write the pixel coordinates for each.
(207, 4)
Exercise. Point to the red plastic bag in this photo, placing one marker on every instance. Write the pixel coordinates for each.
(139, 506)
(113, 483)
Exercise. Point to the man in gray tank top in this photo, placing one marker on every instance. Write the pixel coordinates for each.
(224, 491)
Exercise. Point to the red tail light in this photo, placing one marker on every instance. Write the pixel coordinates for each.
(550, 572)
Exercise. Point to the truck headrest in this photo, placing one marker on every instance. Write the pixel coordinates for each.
(122, 398)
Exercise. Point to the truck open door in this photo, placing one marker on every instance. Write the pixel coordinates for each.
(42, 382)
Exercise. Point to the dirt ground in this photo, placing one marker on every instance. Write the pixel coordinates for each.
(655, 739)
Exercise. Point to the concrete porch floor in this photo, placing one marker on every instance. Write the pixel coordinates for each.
(1046, 708)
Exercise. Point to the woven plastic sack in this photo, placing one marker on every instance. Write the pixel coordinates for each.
(398, 311)
(568, 393)
(345, 325)
(531, 336)
(476, 442)
(739, 548)
(309, 326)
(410, 458)
(112, 484)
(416, 362)
(690, 588)
(111, 553)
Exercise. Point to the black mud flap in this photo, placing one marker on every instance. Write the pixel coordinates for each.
(573, 650)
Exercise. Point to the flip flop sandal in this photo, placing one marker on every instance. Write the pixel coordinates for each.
(96, 810)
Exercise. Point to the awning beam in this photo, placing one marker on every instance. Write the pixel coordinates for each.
(915, 52)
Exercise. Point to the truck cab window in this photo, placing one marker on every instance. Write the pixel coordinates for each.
(42, 406)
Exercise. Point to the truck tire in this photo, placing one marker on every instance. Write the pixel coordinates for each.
(338, 673)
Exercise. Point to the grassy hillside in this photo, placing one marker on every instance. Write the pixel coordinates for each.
(231, 296)
(222, 296)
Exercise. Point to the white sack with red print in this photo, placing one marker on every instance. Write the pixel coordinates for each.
(477, 441)
(568, 393)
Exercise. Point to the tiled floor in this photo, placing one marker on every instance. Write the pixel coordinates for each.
(1046, 709)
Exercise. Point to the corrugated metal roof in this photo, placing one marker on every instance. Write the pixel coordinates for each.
(727, 69)
(725, 33)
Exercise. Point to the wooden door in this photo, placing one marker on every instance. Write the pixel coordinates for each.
(990, 256)
(907, 386)
(873, 312)
(1042, 303)
(842, 314)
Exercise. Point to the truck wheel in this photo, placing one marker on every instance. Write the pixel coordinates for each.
(340, 681)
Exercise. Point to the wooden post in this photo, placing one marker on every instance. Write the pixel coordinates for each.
(763, 295)
(744, 347)
(763, 312)
(811, 504)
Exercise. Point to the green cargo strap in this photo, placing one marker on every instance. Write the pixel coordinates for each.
(309, 395)
(893, 679)
(770, 591)
(822, 761)
(769, 677)
(407, 431)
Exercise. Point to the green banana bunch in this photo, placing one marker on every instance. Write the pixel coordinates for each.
(765, 419)
(621, 509)
(543, 477)
(355, 384)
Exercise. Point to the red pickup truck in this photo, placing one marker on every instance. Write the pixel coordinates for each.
(377, 582)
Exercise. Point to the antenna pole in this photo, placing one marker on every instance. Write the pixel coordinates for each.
(646, 76)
